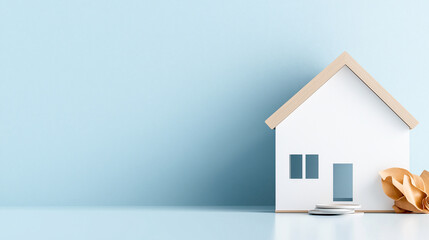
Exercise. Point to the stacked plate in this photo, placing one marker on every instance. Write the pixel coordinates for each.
(334, 209)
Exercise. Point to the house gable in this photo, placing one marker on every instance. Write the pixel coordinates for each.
(343, 60)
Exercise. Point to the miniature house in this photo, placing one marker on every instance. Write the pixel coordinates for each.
(334, 136)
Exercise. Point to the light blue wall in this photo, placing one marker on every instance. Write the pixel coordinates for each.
(163, 102)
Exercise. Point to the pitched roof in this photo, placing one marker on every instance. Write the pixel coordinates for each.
(343, 60)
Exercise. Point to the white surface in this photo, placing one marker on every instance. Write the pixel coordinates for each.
(202, 223)
(338, 206)
(343, 122)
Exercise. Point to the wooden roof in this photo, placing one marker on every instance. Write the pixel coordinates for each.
(343, 60)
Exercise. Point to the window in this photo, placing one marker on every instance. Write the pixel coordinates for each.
(295, 166)
(312, 166)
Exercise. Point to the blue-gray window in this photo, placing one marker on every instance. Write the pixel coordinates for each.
(343, 182)
(295, 166)
(312, 166)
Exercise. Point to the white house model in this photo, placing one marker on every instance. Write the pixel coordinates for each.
(334, 136)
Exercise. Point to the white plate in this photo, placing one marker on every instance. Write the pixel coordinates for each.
(338, 212)
(338, 206)
(333, 210)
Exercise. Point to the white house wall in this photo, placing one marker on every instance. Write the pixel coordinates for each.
(342, 122)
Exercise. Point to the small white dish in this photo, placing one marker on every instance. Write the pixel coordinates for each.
(338, 206)
(331, 211)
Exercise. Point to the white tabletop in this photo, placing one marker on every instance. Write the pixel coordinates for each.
(202, 223)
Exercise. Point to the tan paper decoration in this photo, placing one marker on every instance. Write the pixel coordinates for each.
(409, 191)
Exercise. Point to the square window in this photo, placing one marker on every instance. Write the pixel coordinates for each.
(312, 166)
(295, 166)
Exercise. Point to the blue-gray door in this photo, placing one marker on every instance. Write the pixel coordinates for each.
(343, 182)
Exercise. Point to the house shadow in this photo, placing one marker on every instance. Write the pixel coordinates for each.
(247, 176)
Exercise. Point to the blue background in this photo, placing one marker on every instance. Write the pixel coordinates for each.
(163, 102)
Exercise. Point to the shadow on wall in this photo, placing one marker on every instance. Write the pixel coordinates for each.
(247, 176)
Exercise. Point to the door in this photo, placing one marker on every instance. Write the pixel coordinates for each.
(343, 182)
